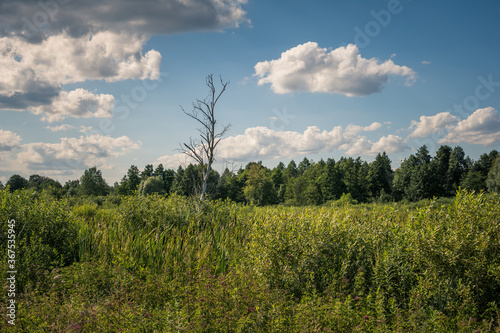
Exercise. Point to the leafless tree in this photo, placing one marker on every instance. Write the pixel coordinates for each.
(203, 151)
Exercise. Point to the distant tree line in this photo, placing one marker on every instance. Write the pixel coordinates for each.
(420, 176)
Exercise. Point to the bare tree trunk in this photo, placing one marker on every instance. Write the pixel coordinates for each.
(204, 113)
(205, 182)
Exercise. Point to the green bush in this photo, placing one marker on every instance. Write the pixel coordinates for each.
(46, 235)
(158, 264)
(444, 258)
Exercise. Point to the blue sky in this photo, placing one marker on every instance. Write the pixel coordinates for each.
(100, 83)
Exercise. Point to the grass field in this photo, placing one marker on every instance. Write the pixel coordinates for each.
(156, 264)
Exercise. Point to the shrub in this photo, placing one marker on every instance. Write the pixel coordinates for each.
(46, 235)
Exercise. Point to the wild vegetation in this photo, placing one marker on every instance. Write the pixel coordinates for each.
(159, 263)
(420, 176)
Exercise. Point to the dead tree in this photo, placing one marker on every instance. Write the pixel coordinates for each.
(203, 151)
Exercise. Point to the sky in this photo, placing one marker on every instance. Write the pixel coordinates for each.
(103, 83)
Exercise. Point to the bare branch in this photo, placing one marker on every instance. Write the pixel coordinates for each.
(204, 113)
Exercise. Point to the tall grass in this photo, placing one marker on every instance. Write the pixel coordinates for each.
(157, 264)
(172, 235)
(437, 259)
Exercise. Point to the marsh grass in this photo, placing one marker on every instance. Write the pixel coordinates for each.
(156, 264)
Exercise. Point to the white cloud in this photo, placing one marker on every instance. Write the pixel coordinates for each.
(482, 128)
(174, 161)
(390, 144)
(361, 146)
(9, 140)
(264, 143)
(74, 153)
(432, 124)
(309, 68)
(426, 62)
(78, 103)
(85, 129)
(81, 18)
(32, 74)
(91, 40)
(63, 59)
(60, 128)
(352, 130)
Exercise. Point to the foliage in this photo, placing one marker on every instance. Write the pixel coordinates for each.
(171, 264)
(420, 176)
(16, 182)
(493, 181)
(152, 185)
(92, 183)
(46, 235)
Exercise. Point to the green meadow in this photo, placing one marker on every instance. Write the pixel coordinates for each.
(173, 264)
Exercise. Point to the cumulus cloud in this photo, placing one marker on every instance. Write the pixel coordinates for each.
(47, 44)
(309, 68)
(352, 130)
(432, 124)
(78, 103)
(482, 128)
(264, 143)
(390, 144)
(63, 59)
(174, 161)
(34, 20)
(74, 153)
(32, 74)
(85, 129)
(60, 128)
(9, 140)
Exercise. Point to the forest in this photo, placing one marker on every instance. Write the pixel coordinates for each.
(420, 176)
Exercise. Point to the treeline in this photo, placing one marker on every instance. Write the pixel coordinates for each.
(420, 176)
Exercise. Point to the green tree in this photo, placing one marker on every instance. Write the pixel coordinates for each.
(380, 175)
(190, 181)
(43, 183)
(235, 185)
(314, 192)
(303, 165)
(130, 182)
(474, 180)
(403, 178)
(456, 169)
(331, 181)
(17, 182)
(168, 179)
(441, 163)
(296, 193)
(416, 177)
(153, 184)
(133, 177)
(290, 171)
(166, 175)
(147, 172)
(1, 185)
(259, 189)
(278, 180)
(124, 187)
(92, 183)
(178, 183)
(493, 180)
(355, 177)
(70, 188)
